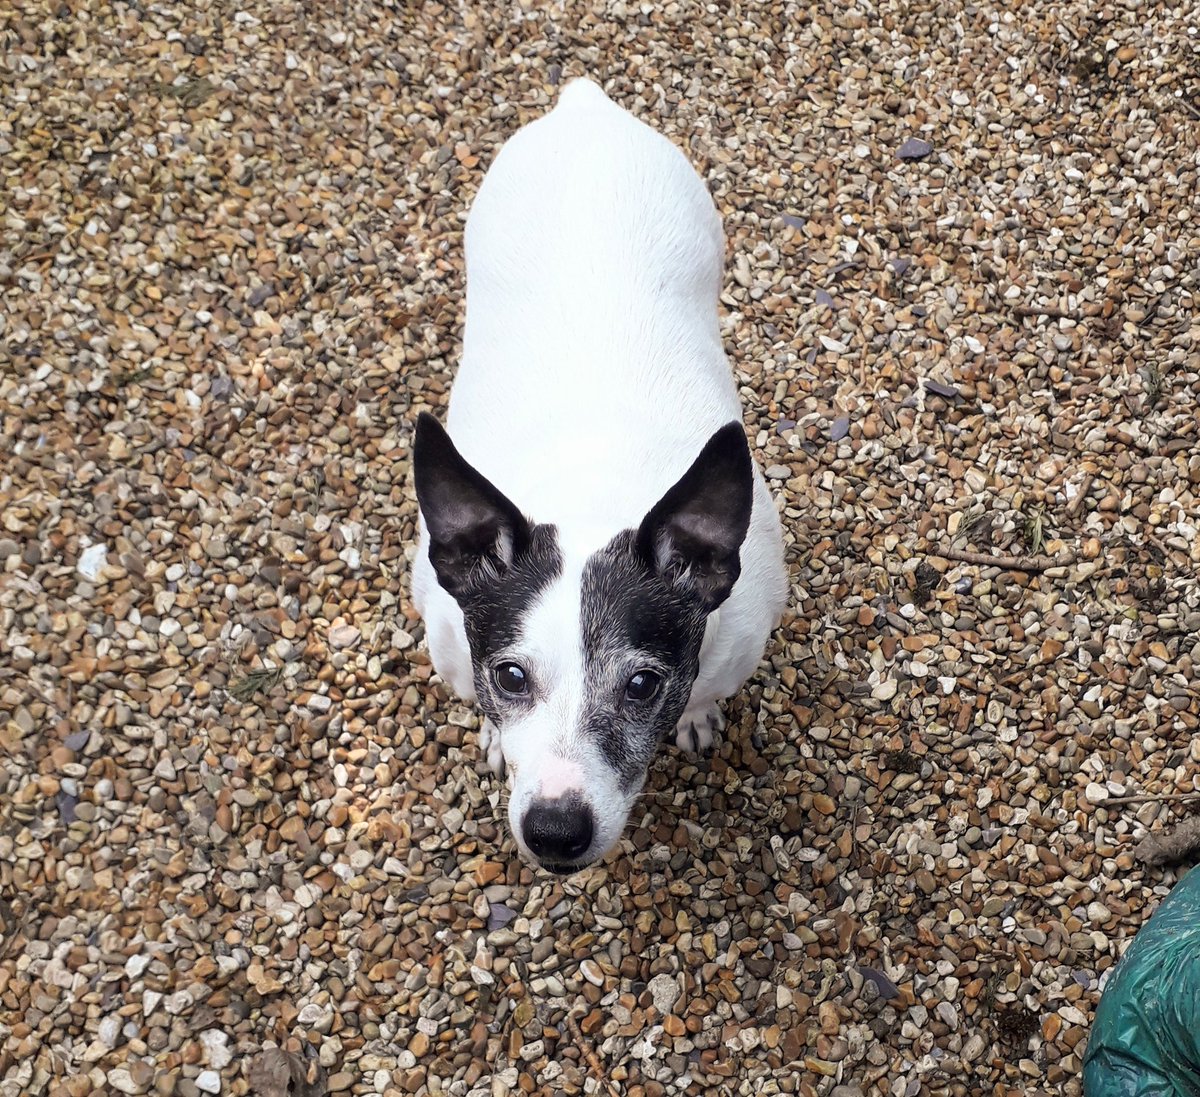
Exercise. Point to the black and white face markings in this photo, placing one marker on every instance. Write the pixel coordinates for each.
(494, 613)
(637, 631)
(583, 664)
(487, 554)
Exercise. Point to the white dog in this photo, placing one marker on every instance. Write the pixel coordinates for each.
(600, 562)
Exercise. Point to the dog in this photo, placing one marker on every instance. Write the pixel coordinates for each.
(600, 562)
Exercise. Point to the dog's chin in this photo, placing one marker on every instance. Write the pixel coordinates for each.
(559, 869)
(564, 868)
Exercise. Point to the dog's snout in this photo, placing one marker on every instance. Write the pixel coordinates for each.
(558, 832)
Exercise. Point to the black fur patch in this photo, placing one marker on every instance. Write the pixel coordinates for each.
(475, 530)
(494, 610)
(632, 620)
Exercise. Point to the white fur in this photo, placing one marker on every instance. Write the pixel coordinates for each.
(544, 753)
(592, 375)
(560, 777)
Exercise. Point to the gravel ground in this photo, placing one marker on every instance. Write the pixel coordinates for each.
(246, 843)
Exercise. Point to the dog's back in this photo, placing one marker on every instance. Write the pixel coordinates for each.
(592, 354)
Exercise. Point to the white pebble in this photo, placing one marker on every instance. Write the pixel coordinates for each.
(664, 991)
(344, 636)
(305, 895)
(122, 1081)
(885, 691)
(109, 1029)
(311, 1014)
(592, 973)
(92, 561)
(178, 1002)
(216, 1048)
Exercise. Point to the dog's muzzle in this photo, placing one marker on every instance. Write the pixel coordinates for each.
(559, 833)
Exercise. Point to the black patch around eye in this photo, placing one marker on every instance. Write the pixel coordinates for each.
(642, 686)
(511, 678)
(627, 608)
(494, 609)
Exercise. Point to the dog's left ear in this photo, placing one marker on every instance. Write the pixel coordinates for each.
(692, 535)
(473, 527)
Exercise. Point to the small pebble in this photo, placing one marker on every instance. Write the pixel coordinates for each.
(914, 148)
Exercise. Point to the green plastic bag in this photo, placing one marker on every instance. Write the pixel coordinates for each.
(1145, 1041)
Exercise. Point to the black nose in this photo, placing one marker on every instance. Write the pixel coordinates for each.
(558, 832)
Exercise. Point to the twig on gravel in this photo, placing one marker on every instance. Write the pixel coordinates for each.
(1044, 310)
(1170, 845)
(12, 926)
(1012, 563)
(1085, 488)
(1035, 530)
(256, 681)
(593, 1060)
(1152, 798)
(1183, 102)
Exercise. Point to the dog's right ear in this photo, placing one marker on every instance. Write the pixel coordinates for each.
(692, 535)
(473, 527)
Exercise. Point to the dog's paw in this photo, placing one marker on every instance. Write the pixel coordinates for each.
(489, 743)
(697, 730)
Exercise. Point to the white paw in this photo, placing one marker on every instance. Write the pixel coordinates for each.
(489, 743)
(698, 728)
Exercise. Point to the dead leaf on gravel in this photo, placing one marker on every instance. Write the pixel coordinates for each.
(191, 93)
(278, 1073)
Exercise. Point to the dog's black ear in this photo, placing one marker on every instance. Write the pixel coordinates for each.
(692, 534)
(473, 527)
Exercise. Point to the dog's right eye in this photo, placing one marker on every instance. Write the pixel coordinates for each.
(642, 686)
(511, 678)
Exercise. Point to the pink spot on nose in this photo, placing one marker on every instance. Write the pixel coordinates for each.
(558, 777)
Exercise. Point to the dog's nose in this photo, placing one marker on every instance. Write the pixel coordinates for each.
(558, 832)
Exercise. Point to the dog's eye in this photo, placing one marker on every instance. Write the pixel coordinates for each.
(511, 678)
(642, 686)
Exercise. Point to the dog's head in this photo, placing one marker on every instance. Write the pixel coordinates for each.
(582, 664)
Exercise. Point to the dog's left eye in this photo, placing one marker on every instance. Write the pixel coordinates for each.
(642, 686)
(511, 678)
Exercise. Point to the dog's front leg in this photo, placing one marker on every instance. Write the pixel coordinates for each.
(699, 727)
(489, 743)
